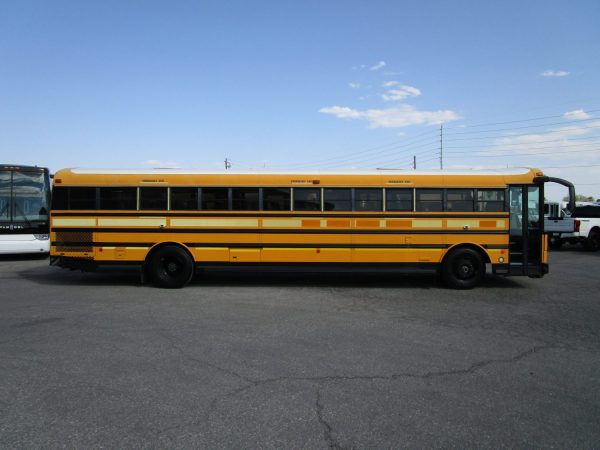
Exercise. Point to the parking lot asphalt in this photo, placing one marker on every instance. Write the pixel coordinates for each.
(272, 360)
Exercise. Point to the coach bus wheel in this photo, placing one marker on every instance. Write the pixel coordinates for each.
(171, 267)
(463, 269)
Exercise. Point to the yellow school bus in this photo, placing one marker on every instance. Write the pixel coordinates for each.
(172, 222)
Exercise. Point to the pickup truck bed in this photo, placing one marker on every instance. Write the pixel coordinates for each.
(587, 228)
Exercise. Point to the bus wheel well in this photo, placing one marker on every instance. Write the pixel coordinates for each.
(463, 267)
(484, 255)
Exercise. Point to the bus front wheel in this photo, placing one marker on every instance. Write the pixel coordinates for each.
(171, 267)
(463, 269)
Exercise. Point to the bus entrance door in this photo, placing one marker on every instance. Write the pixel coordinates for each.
(525, 244)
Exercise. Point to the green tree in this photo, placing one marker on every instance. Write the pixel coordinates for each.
(580, 198)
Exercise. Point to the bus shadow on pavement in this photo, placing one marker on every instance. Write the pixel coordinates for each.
(24, 257)
(107, 276)
(130, 276)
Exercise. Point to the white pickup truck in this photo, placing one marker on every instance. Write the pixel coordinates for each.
(557, 224)
(587, 228)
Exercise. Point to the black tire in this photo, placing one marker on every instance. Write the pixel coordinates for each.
(555, 243)
(171, 267)
(463, 269)
(592, 243)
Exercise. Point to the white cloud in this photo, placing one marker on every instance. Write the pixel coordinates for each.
(157, 163)
(557, 139)
(400, 94)
(378, 66)
(554, 73)
(354, 85)
(398, 117)
(390, 84)
(578, 114)
(341, 112)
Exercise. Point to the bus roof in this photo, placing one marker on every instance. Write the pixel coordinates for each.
(148, 177)
(21, 167)
(88, 171)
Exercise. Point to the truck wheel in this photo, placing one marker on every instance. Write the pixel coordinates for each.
(555, 243)
(463, 269)
(171, 267)
(592, 243)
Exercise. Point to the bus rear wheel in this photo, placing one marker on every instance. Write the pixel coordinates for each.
(171, 267)
(463, 269)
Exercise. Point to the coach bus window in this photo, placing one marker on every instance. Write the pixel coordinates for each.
(245, 199)
(154, 198)
(368, 199)
(82, 198)
(29, 201)
(276, 199)
(307, 199)
(118, 198)
(214, 199)
(429, 199)
(5, 182)
(490, 200)
(459, 200)
(337, 199)
(184, 198)
(398, 199)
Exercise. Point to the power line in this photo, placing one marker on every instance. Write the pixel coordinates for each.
(526, 154)
(527, 126)
(571, 167)
(527, 147)
(516, 121)
(393, 145)
(525, 134)
(589, 138)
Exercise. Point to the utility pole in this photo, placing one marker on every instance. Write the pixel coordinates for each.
(414, 162)
(227, 164)
(441, 146)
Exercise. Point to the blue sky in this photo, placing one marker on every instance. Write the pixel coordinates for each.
(307, 85)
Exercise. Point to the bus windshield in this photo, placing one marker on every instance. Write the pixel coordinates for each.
(23, 196)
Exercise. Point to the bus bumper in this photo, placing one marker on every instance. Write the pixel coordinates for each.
(533, 270)
(19, 244)
(66, 262)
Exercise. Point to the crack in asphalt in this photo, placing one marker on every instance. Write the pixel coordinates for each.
(327, 429)
(252, 383)
(162, 333)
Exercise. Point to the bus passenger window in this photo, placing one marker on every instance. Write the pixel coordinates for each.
(276, 199)
(215, 199)
(60, 198)
(82, 198)
(459, 200)
(118, 198)
(154, 198)
(430, 200)
(307, 199)
(368, 199)
(337, 199)
(490, 200)
(184, 198)
(245, 199)
(398, 199)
